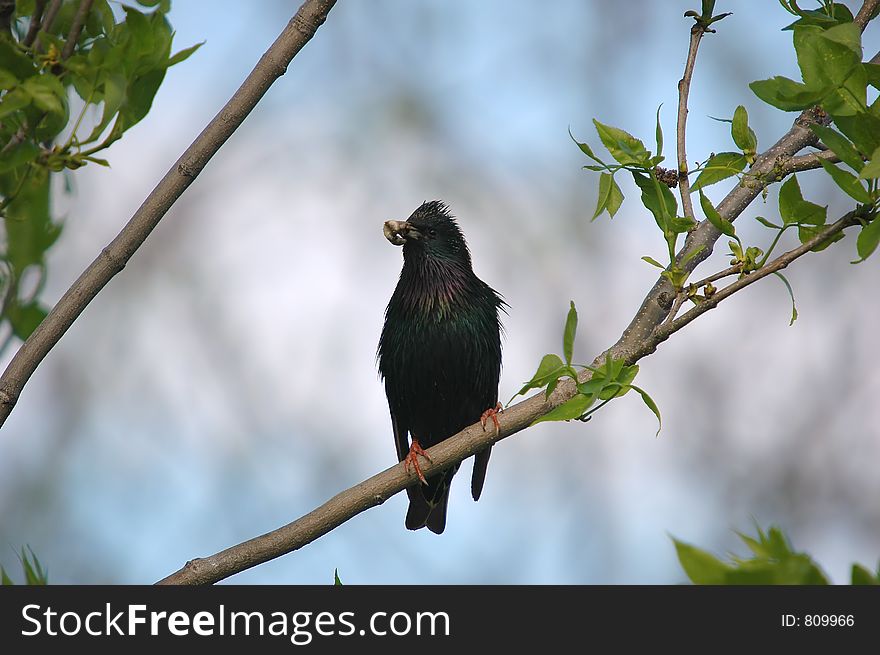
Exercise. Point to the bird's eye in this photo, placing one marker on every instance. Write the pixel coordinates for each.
(432, 232)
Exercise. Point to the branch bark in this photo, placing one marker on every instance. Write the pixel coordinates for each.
(82, 13)
(112, 259)
(684, 86)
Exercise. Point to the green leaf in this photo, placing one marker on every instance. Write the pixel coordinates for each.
(721, 224)
(7, 79)
(571, 322)
(720, 167)
(47, 93)
(701, 567)
(23, 153)
(847, 181)
(863, 130)
(620, 384)
(795, 210)
(681, 224)
(572, 408)
(585, 148)
(25, 318)
(794, 312)
(872, 74)
(183, 54)
(839, 145)
(868, 240)
(113, 85)
(786, 94)
(623, 146)
(743, 136)
(872, 168)
(658, 133)
(827, 57)
(862, 576)
(658, 198)
(550, 368)
(653, 262)
(610, 196)
(13, 101)
(5, 580)
(789, 200)
(15, 61)
(807, 232)
(336, 581)
(763, 221)
(31, 230)
(651, 405)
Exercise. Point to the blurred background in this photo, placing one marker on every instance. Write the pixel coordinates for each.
(225, 382)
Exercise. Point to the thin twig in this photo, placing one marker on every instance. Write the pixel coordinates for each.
(82, 13)
(807, 162)
(7, 8)
(48, 21)
(112, 259)
(34, 27)
(683, 295)
(684, 85)
(664, 331)
(733, 270)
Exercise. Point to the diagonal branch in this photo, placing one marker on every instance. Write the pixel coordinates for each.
(79, 20)
(272, 65)
(377, 489)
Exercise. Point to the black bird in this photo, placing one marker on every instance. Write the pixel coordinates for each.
(439, 353)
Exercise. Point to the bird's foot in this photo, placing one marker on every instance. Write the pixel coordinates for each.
(412, 459)
(492, 413)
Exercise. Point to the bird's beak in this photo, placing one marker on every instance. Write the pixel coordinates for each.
(397, 232)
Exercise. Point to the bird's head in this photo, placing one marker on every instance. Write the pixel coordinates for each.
(430, 232)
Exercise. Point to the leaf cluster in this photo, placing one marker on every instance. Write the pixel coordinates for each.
(612, 379)
(58, 112)
(772, 560)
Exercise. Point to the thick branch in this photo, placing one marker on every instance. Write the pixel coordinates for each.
(113, 258)
(866, 13)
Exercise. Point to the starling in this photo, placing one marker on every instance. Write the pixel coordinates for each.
(439, 353)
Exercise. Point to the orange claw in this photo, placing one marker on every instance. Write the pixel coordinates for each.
(412, 459)
(493, 414)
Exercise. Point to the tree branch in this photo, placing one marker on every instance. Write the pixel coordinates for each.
(34, 26)
(866, 13)
(684, 86)
(112, 259)
(48, 20)
(79, 20)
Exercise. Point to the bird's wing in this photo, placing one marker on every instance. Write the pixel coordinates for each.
(401, 441)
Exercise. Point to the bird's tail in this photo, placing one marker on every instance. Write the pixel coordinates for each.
(427, 503)
(481, 461)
